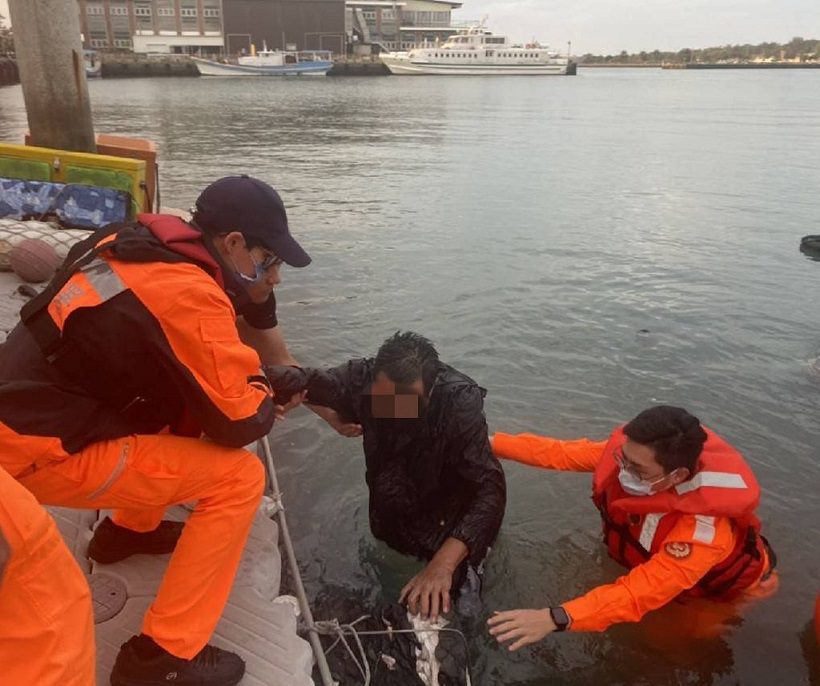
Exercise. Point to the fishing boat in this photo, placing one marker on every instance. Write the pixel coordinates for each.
(92, 63)
(270, 63)
(476, 51)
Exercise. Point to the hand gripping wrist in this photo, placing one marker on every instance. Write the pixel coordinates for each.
(285, 381)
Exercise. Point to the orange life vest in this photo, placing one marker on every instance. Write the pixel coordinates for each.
(723, 485)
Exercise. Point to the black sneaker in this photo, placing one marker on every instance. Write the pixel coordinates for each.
(141, 662)
(112, 543)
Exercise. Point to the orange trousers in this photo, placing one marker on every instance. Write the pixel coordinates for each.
(142, 475)
(46, 622)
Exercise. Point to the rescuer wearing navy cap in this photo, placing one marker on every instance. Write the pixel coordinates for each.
(149, 338)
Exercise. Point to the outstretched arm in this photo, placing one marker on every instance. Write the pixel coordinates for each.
(675, 568)
(330, 393)
(581, 455)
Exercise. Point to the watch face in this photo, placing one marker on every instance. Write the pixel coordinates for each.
(560, 617)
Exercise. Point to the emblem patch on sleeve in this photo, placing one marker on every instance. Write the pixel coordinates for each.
(678, 550)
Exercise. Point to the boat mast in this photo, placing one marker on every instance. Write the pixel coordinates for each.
(52, 72)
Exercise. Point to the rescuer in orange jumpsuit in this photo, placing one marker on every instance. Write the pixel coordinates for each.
(107, 385)
(678, 510)
(46, 623)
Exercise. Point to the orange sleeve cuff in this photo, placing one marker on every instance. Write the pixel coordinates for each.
(585, 615)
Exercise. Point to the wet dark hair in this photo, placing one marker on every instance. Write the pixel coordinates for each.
(675, 435)
(406, 357)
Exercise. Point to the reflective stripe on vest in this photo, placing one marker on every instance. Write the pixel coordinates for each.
(711, 479)
(704, 529)
(90, 286)
(103, 279)
(649, 529)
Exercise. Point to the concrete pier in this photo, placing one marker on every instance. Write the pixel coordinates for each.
(356, 68)
(49, 54)
(119, 65)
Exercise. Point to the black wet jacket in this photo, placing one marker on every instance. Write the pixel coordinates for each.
(431, 478)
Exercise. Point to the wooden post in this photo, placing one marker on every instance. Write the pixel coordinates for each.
(50, 58)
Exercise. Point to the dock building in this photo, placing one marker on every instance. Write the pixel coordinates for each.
(401, 24)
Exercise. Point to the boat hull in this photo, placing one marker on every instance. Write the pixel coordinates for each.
(212, 68)
(401, 65)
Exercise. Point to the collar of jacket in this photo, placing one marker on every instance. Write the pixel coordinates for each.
(184, 239)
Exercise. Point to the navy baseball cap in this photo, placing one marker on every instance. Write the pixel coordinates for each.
(245, 204)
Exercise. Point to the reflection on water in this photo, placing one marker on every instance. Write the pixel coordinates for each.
(582, 247)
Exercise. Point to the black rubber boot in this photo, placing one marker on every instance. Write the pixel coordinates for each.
(141, 662)
(112, 543)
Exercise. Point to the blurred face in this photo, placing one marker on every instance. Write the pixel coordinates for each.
(389, 400)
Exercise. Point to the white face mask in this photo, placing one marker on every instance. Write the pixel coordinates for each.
(635, 486)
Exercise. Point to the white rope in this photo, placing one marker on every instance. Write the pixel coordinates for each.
(332, 627)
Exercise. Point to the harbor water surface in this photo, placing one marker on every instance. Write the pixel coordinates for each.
(584, 248)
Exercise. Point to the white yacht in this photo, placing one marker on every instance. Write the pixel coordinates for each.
(475, 50)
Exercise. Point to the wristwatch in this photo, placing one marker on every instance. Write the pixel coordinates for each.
(560, 618)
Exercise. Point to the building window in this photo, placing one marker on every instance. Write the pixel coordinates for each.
(167, 12)
(142, 11)
(187, 12)
(210, 12)
(99, 43)
(369, 15)
(94, 9)
(122, 43)
(388, 15)
(119, 11)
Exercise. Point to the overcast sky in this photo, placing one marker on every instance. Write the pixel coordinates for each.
(609, 26)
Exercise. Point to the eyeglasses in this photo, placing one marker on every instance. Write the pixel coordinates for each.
(270, 260)
(633, 467)
(260, 268)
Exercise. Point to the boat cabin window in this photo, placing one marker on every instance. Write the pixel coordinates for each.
(496, 40)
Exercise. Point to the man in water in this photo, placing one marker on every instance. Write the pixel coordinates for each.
(678, 509)
(436, 490)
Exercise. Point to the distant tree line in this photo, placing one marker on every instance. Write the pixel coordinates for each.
(796, 49)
